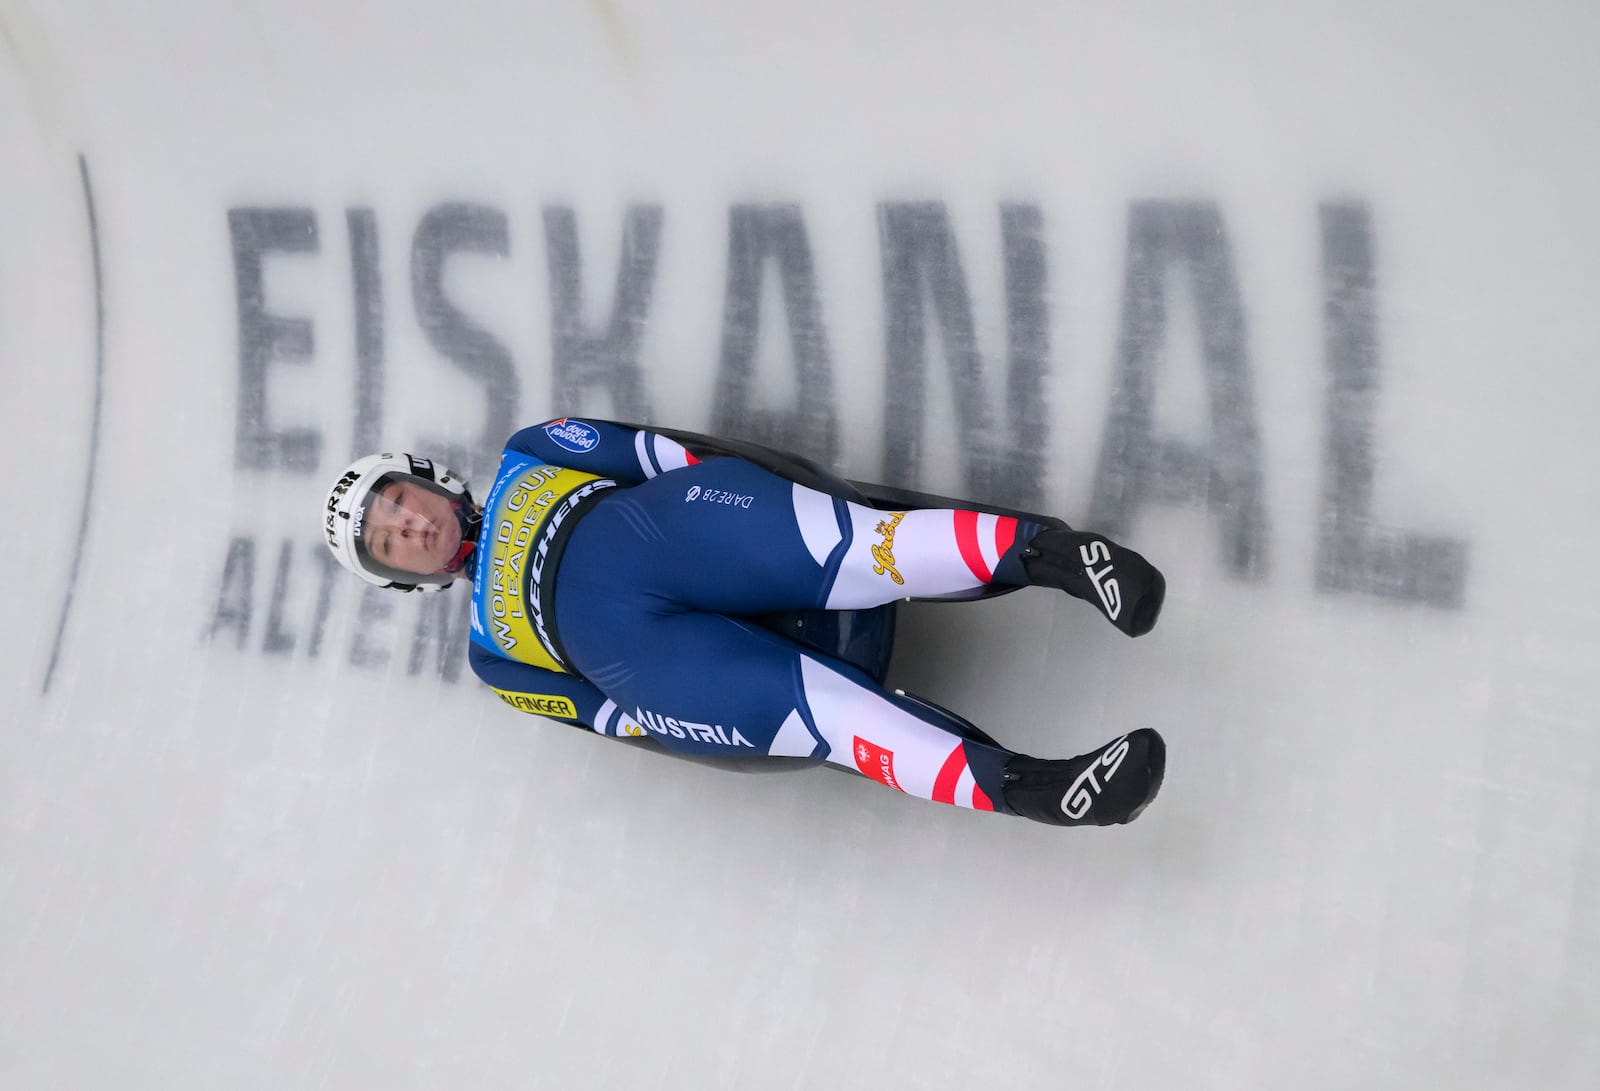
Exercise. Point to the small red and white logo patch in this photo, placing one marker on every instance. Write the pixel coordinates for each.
(876, 762)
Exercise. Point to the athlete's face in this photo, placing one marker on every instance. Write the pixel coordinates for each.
(411, 528)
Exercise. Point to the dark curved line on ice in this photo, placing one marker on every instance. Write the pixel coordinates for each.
(94, 425)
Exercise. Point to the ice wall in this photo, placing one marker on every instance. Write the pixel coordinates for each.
(1298, 299)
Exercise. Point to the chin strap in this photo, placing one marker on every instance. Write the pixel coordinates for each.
(471, 520)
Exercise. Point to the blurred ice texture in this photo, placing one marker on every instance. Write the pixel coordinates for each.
(252, 837)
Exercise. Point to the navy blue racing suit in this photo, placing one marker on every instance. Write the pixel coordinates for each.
(616, 575)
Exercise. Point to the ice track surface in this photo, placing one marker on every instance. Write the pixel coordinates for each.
(1298, 300)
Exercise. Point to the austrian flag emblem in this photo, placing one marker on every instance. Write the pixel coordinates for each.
(876, 762)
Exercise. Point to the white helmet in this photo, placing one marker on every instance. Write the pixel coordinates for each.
(352, 496)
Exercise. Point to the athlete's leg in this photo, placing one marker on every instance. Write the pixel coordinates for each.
(896, 744)
(740, 540)
(721, 687)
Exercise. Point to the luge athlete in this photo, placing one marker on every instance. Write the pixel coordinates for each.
(616, 577)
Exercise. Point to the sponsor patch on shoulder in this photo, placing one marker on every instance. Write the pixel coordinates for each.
(572, 435)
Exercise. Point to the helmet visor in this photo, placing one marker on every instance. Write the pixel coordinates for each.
(408, 529)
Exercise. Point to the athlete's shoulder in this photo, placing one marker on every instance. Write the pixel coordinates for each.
(563, 436)
(622, 452)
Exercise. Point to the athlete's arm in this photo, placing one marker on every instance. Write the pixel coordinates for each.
(627, 455)
(527, 688)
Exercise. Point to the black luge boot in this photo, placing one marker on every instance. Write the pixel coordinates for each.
(1109, 787)
(1114, 579)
